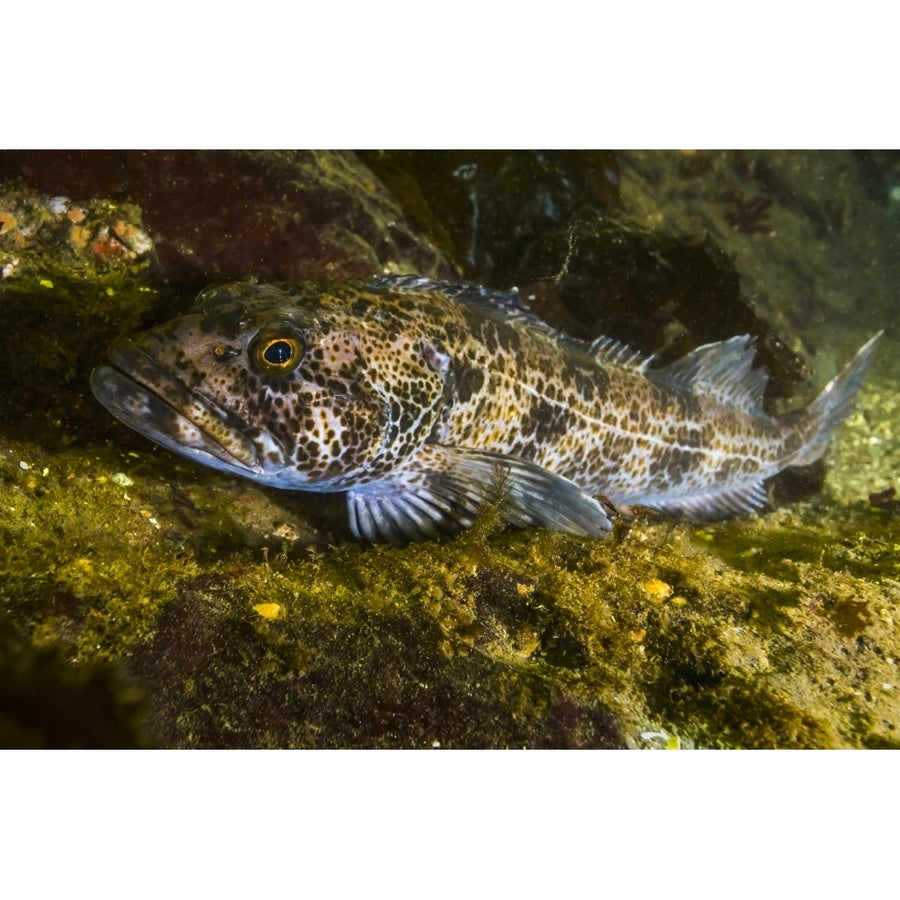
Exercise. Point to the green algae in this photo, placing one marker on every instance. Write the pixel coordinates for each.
(495, 638)
(46, 702)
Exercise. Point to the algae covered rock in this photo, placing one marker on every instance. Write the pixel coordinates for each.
(221, 215)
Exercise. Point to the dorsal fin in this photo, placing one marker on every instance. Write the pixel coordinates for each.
(507, 305)
(608, 350)
(723, 371)
(507, 302)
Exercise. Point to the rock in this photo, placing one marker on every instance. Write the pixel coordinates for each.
(222, 215)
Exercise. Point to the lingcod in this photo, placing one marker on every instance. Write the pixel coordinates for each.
(425, 402)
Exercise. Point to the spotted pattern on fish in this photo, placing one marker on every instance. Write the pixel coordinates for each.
(423, 401)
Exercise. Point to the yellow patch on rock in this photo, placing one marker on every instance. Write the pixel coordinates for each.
(657, 590)
(268, 610)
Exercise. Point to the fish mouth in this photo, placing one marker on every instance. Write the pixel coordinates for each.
(148, 397)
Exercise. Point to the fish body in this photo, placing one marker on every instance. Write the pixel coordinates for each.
(423, 401)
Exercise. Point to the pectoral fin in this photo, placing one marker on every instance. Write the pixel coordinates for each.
(442, 489)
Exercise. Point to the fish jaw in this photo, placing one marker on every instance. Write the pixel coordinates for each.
(146, 397)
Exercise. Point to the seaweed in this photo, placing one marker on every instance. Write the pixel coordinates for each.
(749, 216)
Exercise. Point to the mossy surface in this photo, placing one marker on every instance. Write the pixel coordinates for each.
(773, 632)
(147, 601)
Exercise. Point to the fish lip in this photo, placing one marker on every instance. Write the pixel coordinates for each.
(156, 403)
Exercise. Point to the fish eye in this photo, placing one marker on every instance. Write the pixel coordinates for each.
(277, 354)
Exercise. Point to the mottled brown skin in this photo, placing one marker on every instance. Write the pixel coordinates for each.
(390, 385)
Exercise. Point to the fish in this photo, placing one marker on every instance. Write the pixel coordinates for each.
(425, 402)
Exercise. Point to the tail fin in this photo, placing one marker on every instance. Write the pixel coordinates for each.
(832, 406)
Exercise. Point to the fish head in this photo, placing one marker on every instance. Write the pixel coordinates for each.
(285, 385)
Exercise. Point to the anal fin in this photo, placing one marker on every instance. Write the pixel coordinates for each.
(717, 504)
(442, 489)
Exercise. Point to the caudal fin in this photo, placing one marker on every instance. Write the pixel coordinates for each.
(832, 406)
